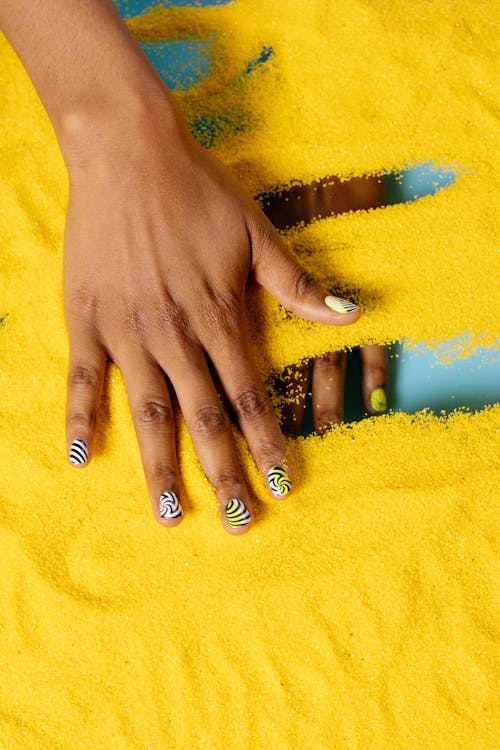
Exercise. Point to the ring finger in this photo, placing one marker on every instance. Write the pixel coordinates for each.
(252, 406)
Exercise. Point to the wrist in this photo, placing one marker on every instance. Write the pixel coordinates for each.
(112, 120)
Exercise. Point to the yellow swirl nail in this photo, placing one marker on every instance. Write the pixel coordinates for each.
(378, 400)
(237, 514)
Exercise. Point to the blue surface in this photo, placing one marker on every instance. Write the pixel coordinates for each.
(131, 8)
(415, 182)
(420, 380)
(417, 379)
(181, 64)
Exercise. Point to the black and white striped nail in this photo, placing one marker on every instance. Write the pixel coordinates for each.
(170, 507)
(237, 514)
(280, 483)
(79, 452)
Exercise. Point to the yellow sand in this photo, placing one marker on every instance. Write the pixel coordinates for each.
(362, 611)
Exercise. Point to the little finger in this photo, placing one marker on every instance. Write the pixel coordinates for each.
(86, 368)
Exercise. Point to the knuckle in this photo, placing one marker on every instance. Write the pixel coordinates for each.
(219, 311)
(154, 413)
(324, 420)
(375, 374)
(225, 478)
(161, 471)
(271, 452)
(82, 419)
(171, 317)
(84, 375)
(251, 404)
(134, 318)
(84, 304)
(210, 421)
(305, 285)
(267, 237)
(330, 361)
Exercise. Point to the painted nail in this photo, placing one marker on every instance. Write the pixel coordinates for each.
(169, 505)
(237, 513)
(378, 400)
(279, 481)
(78, 453)
(340, 305)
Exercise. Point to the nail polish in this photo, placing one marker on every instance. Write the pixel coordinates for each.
(169, 505)
(237, 513)
(279, 481)
(78, 453)
(337, 304)
(378, 399)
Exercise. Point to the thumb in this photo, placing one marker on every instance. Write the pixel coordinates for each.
(277, 271)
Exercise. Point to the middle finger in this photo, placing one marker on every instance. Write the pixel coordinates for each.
(328, 379)
(211, 433)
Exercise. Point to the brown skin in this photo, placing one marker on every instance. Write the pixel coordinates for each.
(330, 196)
(159, 243)
(326, 375)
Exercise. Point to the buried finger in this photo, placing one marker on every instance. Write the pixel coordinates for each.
(328, 378)
(374, 377)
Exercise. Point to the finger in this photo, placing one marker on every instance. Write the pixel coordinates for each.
(298, 291)
(252, 406)
(292, 390)
(86, 368)
(328, 379)
(289, 206)
(154, 423)
(212, 437)
(374, 378)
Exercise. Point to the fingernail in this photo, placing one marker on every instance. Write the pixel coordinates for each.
(279, 481)
(169, 505)
(237, 513)
(78, 453)
(378, 400)
(340, 305)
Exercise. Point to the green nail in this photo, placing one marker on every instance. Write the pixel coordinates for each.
(378, 400)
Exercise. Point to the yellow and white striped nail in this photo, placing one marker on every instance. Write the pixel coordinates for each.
(339, 305)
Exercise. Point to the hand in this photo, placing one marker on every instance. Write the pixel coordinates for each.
(159, 243)
(324, 377)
